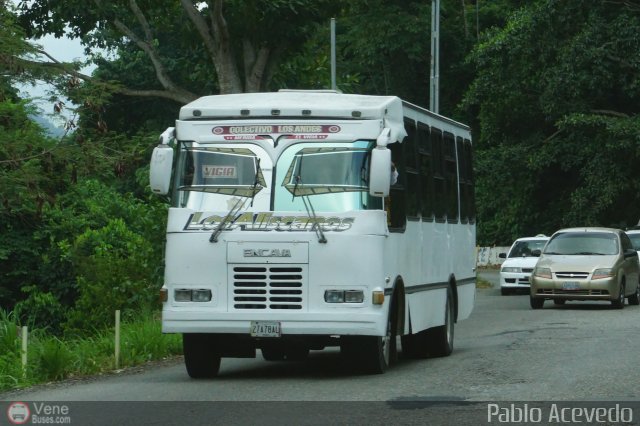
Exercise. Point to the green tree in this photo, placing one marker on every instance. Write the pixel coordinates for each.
(189, 47)
(556, 96)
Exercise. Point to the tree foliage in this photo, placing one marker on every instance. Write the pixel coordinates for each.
(188, 47)
(556, 93)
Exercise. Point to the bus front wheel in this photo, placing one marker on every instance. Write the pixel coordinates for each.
(201, 357)
(371, 354)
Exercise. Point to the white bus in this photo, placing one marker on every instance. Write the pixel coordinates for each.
(286, 232)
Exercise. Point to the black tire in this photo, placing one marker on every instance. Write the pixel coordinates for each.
(504, 291)
(273, 353)
(372, 354)
(618, 303)
(440, 339)
(414, 346)
(634, 299)
(201, 357)
(559, 302)
(536, 302)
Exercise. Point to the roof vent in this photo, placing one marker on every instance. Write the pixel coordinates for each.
(245, 112)
(356, 114)
(306, 112)
(275, 112)
(197, 113)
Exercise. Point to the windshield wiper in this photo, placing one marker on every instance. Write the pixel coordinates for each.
(255, 181)
(234, 210)
(309, 208)
(237, 206)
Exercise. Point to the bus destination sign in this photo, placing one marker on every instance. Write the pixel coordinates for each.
(298, 131)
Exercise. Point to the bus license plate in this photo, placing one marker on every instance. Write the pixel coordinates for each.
(571, 285)
(265, 329)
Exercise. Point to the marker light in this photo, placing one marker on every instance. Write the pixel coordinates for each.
(377, 297)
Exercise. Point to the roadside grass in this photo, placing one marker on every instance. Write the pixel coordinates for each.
(51, 358)
(481, 283)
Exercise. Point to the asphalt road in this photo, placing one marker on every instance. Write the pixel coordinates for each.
(504, 352)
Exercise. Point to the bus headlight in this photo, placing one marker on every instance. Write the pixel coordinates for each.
(334, 296)
(344, 296)
(182, 295)
(192, 295)
(353, 296)
(201, 295)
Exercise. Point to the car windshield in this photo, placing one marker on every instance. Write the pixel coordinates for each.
(583, 243)
(525, 248)
(635, 240)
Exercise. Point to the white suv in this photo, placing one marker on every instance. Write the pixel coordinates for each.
(515, 272)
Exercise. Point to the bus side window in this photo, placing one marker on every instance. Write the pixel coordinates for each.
(451, 178)
(395, 202)
(439, 183)
(426, 171)
(411, 171)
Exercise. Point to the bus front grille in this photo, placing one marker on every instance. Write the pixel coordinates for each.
(268, 287)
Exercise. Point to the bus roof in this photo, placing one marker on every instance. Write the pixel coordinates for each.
(294, 104)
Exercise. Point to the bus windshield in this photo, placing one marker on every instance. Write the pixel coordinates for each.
(335, 176)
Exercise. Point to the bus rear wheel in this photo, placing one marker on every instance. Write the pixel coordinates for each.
(201, 357)
(440, 339)
(415, 346)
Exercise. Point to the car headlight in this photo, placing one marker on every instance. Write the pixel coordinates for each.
(511, 269)
(542, 273)
(598, 274)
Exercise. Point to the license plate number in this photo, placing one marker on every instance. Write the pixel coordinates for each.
(571, 285)
(265, 329)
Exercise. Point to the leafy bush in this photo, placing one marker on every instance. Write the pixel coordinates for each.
(40, 310)
(114, 271)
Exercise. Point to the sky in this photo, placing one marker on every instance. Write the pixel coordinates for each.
(64, 50)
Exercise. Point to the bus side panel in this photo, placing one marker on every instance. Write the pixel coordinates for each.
(427, 309)
(466, 300)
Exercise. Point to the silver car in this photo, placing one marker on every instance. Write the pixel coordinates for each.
(587, 264)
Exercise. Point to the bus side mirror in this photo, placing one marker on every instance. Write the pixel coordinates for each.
(160, 170)
(380, 172)
(161, 164)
